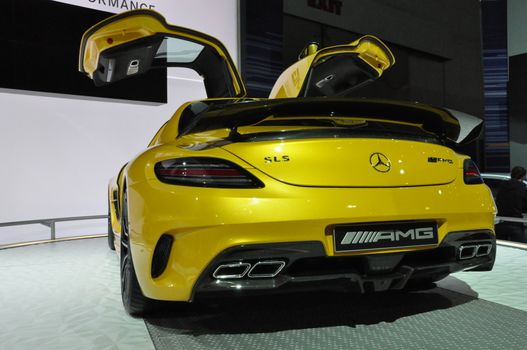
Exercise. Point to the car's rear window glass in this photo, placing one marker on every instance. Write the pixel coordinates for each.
(178, 51)
(366, 129)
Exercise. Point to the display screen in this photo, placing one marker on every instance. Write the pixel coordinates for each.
(40, 45)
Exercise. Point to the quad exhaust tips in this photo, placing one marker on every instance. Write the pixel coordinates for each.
(261, 269)
(470, 251)
(235, 270)
(266, 269)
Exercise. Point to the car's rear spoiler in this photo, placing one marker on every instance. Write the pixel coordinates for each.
(447, 124)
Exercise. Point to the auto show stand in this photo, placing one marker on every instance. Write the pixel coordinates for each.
(66, 295)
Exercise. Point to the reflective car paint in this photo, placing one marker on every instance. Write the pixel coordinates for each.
(325, 182)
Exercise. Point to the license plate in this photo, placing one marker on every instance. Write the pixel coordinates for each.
(384, 235)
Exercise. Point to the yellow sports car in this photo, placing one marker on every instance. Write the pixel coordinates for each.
(305, 189)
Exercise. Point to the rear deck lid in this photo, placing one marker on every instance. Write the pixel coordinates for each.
(351, 162)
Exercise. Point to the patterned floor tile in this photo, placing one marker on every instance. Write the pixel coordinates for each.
(505, 283)
(65, 296)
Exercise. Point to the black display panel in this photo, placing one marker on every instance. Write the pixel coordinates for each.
(518, 85)
(40, 44)
(261, 34)
(517, 101)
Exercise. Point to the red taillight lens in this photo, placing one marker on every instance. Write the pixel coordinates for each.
(205, 172)
(471, 173)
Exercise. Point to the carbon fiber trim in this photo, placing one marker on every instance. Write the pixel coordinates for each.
(308, 266)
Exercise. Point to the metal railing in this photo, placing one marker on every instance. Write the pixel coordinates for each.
(509, 219)
(51, 222)
(513, 244)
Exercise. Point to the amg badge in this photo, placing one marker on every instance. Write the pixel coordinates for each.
(440, 160)
(384, 235)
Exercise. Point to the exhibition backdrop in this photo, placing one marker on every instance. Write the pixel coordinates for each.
(59, 151)
(437, 46)
(62, 139)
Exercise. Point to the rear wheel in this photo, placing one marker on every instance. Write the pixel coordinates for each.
(135, 303)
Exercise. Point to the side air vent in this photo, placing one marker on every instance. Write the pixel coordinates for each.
(161, 255)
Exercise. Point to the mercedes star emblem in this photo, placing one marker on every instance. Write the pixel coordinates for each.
(380, 162)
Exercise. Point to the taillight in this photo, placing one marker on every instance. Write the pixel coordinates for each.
(471, 173)
(205, 172)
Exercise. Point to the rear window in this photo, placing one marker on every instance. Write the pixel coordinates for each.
(328, 129)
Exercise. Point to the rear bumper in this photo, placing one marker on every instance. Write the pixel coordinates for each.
(307, 266)
(205, 223)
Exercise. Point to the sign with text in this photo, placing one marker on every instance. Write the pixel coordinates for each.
(115, 6)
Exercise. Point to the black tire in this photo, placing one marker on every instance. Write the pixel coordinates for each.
(111, 236)
(135, 303)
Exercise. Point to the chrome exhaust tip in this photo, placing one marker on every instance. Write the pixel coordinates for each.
(234, 270)
(467, 251)
(483, 249)
(266, 269)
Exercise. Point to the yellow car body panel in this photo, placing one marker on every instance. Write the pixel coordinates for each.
(316, 175)
(113, 206)
(205, 222)
(368, 48)
(292, 79)
(115, 191)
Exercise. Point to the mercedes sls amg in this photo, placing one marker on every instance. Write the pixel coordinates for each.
(308, 188)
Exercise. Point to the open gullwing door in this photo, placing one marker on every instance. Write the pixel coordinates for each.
(132, 43)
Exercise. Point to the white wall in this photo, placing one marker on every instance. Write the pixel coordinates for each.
(58, 152)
